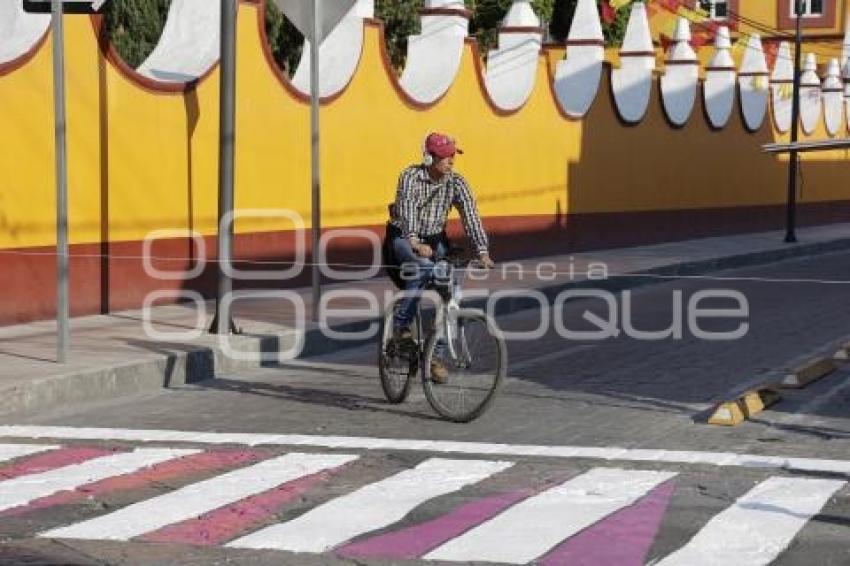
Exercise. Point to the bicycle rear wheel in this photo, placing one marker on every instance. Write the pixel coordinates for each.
(397, 363)
(476, 361)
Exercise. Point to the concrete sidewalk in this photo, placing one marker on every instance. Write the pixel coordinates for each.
(113, 355)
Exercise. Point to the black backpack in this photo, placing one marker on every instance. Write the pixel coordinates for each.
(391, 265)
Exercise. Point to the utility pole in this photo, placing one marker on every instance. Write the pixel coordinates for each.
(793, 159)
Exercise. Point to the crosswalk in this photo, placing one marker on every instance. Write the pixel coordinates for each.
(531, 528)
(430, 508)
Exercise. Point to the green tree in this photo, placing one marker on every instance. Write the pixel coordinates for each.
(285, 40)
(562, 18)
(615, 31)
(401, 19)
(134, 27)
(487, 16)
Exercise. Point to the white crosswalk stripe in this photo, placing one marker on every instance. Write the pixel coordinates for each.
(26, 488)
(753, 531)
(371, 507)
(196, 499)
(758, 526)
(11, 451)
(532, 527)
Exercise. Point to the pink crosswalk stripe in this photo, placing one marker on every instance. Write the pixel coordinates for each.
(179, 467)
(228, 522)
(623, 539)
(415, 541)
(46, 461)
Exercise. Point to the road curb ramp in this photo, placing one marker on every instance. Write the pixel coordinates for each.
(736, 411)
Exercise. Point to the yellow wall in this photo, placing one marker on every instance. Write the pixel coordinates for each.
(141, 160)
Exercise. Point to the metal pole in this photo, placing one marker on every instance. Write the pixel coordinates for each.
(315, 163)
(791, 207)
(223, 322)
(62, 294)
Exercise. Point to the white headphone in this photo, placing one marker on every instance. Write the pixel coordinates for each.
(427, 158)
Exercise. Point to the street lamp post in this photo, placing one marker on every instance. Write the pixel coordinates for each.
(793, 163)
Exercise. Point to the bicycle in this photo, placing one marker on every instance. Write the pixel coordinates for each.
(466, 341)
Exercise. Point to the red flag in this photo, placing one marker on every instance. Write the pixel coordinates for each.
(771, 50)
(609, 14)
(699, 39)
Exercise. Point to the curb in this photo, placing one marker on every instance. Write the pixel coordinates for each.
(182, 363)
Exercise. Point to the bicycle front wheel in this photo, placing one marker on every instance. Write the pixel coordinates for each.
(473, 359)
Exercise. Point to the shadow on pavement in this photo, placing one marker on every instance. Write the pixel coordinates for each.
(323, 397)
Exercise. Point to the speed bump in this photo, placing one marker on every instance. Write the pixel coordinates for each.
(808, 372)
(736, 411)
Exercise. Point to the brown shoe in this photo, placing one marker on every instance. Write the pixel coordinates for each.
(439, 373)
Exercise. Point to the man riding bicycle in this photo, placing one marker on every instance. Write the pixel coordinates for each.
(426, 193)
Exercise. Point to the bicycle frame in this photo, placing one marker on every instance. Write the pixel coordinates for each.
(446, 320)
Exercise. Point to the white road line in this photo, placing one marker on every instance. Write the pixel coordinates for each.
(11, 451)
(533, 527)
(371, 507)
(26, 488)
(759, 526)
(445, 447)
(196, 499)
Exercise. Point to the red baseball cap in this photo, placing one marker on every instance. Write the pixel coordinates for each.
(441, 145)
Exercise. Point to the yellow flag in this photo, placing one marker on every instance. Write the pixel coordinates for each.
(617, 4)
(740, 45)
(696, 16)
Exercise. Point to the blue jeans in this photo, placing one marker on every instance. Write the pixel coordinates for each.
(417, 272)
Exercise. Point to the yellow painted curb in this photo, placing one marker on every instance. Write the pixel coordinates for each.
(736, 411)
(808, 372)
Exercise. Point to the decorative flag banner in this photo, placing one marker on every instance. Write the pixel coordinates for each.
(609, 13)
(740, 45)
(664, 15)
(617, 4)
(696, 15)
(771, 50)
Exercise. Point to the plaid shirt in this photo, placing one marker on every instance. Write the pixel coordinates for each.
(422, 206)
